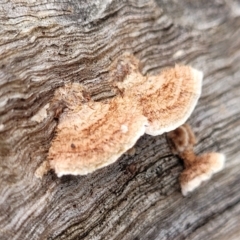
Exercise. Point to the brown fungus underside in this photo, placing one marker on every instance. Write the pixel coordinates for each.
(91, 135)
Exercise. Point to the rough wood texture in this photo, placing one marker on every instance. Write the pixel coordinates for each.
(44, 44)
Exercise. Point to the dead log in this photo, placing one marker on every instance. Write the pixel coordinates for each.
(45, 44)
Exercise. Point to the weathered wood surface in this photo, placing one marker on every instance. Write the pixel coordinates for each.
(44, 44)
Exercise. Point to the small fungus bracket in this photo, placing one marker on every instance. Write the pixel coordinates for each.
(197, 168)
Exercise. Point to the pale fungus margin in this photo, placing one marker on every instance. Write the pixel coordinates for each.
(91, 135)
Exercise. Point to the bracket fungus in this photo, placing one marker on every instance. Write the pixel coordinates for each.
(95, 136)
(91, 135)
(197, 168)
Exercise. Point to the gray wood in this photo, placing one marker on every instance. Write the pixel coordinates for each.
(44, 44)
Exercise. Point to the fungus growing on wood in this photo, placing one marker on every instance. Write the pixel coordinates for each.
(169, 104)
(167, 99)
(95, 136)
(91, 135)
(197, 168)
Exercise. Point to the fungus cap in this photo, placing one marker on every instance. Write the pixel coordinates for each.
(170, 105)
(95, 136)
(205, 166)
(182, 138)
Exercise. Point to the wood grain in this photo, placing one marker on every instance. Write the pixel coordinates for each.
(44, 44)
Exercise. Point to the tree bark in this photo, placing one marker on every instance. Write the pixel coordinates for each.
(45, 44)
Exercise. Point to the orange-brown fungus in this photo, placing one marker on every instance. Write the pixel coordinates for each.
(91, 135)
(197, 168)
